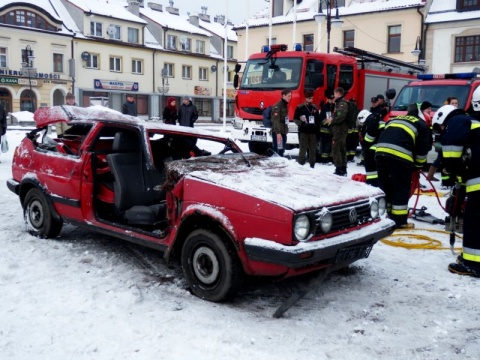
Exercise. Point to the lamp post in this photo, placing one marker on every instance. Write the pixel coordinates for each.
(27, 59)
(418, 49)
(165, 84)
(320, 17)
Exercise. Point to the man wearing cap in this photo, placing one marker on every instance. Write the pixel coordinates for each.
(129, 107)
(379, 107)
(307, 119)
(188, 113)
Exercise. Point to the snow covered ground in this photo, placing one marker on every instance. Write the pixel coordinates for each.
(86, 296)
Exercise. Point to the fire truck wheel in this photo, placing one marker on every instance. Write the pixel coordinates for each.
(38, 216)
(260, 148)
(210, 266)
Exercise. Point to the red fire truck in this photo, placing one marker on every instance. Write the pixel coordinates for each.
(436, 88)
(362, 74)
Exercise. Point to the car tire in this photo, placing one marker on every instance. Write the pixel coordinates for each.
(38, 216)
(210, 266)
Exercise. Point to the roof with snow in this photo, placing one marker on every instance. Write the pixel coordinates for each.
(445, 11)
(107, 8)
(218, 29)
(308, 8)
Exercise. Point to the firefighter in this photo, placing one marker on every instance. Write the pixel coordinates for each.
(461, 157)
(371, 128)
(401, 150)
(307, 119)
(339, 130)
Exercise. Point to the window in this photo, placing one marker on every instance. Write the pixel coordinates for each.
(92, 61)
(114, 31)
(115, 63)
(203, 73)
(27, 58)
(467, 48)
(3, 57)
(394, 37)
(349, 38)
(229, 52)
(468, 5)
(172, 42)
(186, 72)
(133, 35)
(28, 19)
(204, 106)
(169, 69)
(95, 28)
(58, 63)
(200, 47)
(186, 44)
(308, 42)
(137, 66)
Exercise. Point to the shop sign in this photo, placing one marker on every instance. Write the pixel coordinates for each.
(25, 73)
(115, 85)
(202, 90)
(16, 81)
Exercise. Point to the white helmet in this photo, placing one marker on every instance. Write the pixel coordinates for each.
(476, 99)
(362, 116)
(441, 114)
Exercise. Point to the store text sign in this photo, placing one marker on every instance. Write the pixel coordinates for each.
(115, 85)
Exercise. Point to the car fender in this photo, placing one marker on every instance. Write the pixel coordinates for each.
(30, 181)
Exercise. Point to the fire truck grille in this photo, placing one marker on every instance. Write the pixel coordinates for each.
(253, 111)
(347, 216)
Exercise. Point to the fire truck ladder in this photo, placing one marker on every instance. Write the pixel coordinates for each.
(364, 57)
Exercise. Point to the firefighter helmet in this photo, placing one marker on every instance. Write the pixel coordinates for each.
(362, 116)
(476, 99)
(441, 114)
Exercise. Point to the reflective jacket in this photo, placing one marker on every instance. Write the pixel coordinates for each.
(405, 138)
(371, 130)
(461, 150)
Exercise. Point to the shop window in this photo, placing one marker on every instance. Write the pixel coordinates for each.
(28, 101)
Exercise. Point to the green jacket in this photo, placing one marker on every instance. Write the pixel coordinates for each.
(279, 113)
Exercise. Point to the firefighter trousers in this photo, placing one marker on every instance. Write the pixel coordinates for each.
(471, 229)
(370, 166)
(395, 178)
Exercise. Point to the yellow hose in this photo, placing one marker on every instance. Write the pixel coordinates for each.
(423, 241)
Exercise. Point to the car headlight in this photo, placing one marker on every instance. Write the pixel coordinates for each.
(382, 206)
(302, 227)
(374, 209)
(326, 221)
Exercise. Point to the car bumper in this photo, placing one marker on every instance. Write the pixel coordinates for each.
(13, 186)
(346, 247)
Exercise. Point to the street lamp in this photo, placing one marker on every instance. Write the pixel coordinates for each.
(27, 59)
(418, 49)
(165, 85)
(320, 17)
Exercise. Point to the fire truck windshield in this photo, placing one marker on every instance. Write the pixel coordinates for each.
(435, 94)
(265, 75)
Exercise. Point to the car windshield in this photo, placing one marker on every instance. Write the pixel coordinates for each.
(435, 94)
(266, 75)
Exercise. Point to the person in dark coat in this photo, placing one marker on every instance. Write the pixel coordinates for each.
(307, 119)
(170, 113)
(3, 121)
(326, 112)
(188, 113)
(280, 122)
(129, 107)
(371, 128)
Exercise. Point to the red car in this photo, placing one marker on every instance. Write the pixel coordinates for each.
(193, 195)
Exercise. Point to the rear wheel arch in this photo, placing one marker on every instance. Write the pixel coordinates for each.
(29, 184)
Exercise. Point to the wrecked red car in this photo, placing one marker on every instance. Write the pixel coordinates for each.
(193, 195)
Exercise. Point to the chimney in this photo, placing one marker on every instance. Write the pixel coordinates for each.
(134, 7)
(203, 15)
(193, 19)
(172, 10)
(219, 19)
(155, 6)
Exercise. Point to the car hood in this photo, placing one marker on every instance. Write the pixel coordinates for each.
(277, 180)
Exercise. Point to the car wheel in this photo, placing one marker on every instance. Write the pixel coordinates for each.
(38, 216)
(210, 266)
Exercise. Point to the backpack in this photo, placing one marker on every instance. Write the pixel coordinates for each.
(352, 114)
(267, 117)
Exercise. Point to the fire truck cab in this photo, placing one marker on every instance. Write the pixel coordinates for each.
(360, 73)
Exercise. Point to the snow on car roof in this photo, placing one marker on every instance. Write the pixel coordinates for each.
(64, 113)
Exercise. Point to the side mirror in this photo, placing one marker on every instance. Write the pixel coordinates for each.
(237, 69)
(391, 93)
(235, 80)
